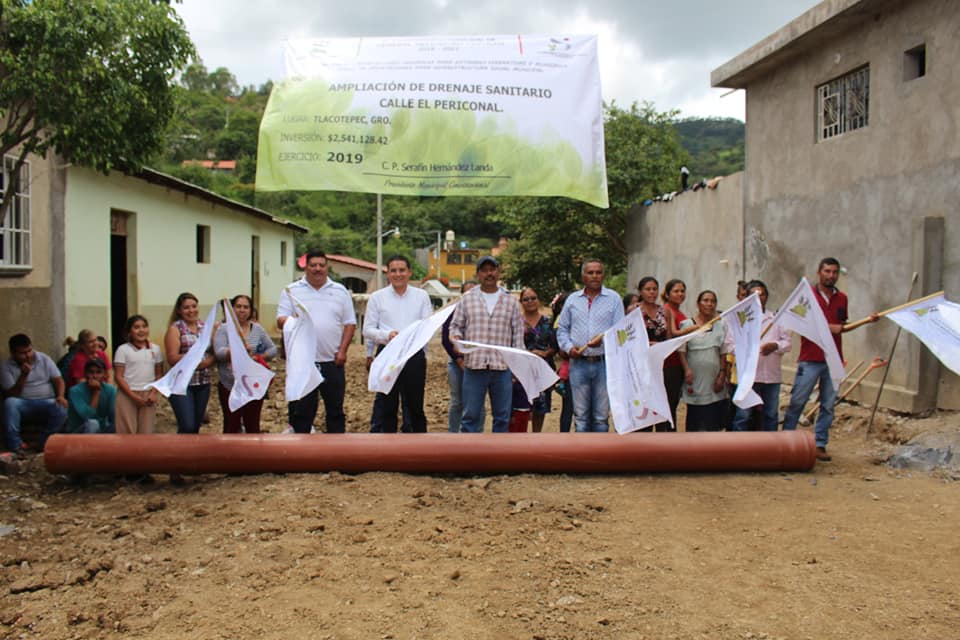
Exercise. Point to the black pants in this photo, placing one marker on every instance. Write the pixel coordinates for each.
(302, 412)
(706, 417)
(673, 383)
(409, 387)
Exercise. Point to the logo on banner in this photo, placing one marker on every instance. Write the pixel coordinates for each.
(625, 335)
(924, 310)
(745, 316)
(246, 385)
(801, 308)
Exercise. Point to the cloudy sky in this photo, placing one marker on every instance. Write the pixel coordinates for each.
(649, 49)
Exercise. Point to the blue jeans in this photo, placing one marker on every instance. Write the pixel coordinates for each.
(16, 410)
(588, 384)
(455, 380)
(808, 374)
(476, 383)
(189, 408)
(769, 392)
(566, 405)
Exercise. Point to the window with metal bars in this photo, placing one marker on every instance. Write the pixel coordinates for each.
(843, 104)
(15, 226)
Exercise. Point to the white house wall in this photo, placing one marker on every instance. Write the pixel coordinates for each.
(162, 239)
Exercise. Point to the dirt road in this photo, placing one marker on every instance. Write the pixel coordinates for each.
(851, 550)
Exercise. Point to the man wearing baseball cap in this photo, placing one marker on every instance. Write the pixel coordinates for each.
(491, 315)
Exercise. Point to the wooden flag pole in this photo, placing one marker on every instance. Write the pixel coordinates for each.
(893, 348)
(868, 319)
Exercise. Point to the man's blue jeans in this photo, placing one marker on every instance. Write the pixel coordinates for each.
(16, 410)
(769, 392)
(455, 380)
(808, 374)
(588, 384)
(476, 383)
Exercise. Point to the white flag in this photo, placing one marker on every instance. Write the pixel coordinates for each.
(250, 378)
(936, 323)
(632, 379)
(638, 398)
(802, 314)
(531, 371)
(300, 345)
(414, 337)
(743, 325)
(178, 378)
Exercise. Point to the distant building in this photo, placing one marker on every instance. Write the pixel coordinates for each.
(456, 265)
(358, 276)
(224, 166)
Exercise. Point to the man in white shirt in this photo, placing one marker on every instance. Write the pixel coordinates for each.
(335, 322)
(389, 311)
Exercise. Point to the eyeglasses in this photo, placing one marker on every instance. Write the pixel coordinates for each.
(528, 299)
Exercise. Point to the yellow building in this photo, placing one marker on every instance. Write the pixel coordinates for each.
(456, 265)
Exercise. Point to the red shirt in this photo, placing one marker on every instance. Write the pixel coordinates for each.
(673, 360)
(836, 312)
(75, 372)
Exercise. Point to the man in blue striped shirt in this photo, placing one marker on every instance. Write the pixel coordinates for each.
(585, 316)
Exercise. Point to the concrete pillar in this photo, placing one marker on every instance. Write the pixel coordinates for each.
(925, 369)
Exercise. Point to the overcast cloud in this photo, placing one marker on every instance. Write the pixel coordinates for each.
(649, 49)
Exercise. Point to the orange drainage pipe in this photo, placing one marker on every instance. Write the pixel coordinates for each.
(466, 454)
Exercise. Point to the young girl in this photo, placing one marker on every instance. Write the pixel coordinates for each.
(137, 363)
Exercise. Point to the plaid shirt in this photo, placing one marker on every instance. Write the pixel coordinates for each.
(472, 322)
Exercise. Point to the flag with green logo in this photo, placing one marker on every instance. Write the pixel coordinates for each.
(936, 323)
(801, 313)
(743, 328)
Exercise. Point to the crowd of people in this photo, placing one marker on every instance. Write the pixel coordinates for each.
(78, 396)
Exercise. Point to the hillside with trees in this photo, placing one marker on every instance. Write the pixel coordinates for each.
(715, 146)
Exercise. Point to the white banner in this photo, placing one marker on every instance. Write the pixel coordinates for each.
(250, 378)
(453, 115)
(936, 323)
(387, 366)
(802, 314)
(300, 346)
(531, 371)
(178, 378)
(743, 325)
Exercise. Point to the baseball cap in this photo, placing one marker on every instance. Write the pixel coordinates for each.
(487, 260)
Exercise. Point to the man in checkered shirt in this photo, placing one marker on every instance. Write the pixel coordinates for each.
(491, 315)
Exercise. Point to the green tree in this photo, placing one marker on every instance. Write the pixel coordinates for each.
(196, 77)
(92, 80)
(554, 235)
(223, 83)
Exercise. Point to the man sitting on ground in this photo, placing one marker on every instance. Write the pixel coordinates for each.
(32, 390)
